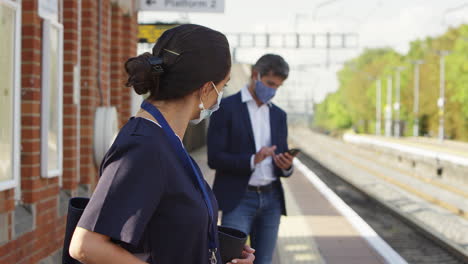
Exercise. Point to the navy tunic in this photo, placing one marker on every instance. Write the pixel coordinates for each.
(147, 201)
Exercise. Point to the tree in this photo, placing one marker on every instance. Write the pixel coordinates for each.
(354, 104)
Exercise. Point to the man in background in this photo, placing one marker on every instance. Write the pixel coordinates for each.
(247, 146)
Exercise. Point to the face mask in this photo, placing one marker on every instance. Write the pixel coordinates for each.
(263, 92)
(205, 113)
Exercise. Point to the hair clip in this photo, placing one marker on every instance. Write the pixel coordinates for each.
(156, 64)
(173, 52)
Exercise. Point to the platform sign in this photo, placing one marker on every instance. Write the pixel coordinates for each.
(48, 9)
(207, 6)
(150, 33)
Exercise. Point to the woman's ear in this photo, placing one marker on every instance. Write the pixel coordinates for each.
(205, 90)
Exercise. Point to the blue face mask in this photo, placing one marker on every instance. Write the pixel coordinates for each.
(263, 92)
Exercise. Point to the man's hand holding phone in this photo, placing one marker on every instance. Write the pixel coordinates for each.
(294, 151)
(285, 160)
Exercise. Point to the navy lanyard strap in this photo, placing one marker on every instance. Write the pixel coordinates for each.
(185, 157)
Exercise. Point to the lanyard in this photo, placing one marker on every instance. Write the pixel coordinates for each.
(184, 156)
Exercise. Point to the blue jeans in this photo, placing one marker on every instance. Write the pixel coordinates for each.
(258, 214)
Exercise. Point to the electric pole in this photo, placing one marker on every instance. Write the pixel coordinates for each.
(378, 106)
(388, 109)
(441, 100)
(397, 101)
(417, 64)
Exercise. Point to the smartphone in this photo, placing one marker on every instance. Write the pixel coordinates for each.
(294, 151)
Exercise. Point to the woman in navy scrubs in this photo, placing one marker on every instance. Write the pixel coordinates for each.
(151, 198)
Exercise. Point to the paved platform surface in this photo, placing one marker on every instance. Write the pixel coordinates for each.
(314, 231)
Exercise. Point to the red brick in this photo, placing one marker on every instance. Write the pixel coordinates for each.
(70, 110)
(6, 248)
(7, 206)
(69, 152)
(46, 218)
(28, 68)
(29, 133)
(33, 184)
(30, 171)
(87, 4)
(31, 30)
(71, 44)
(30, 159)
(70, 5)
(70, 14)
(29, 5)
(69, 184)
(34, 44)
(30, 107)
(46, 205)
(30, 18)
(31, 146)
(30, 82)
(31, 122)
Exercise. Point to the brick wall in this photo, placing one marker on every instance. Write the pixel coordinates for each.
(130, 25)
(43, 200)
(117, 73)
(71, 46)
(90, 96)
(121, 50)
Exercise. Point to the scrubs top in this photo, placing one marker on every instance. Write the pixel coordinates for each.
(147, 201)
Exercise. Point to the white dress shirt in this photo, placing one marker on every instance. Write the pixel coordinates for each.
(263, 173)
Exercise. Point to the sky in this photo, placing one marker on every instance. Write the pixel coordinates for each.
(378, 23)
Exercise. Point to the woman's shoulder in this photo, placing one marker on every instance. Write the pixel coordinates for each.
(141, 127)
(139, 138)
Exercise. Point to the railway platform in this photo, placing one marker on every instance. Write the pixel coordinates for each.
(320, 228)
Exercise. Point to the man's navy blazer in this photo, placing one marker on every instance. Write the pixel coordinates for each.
(231, 145)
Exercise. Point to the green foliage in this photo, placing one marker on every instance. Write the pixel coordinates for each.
(354, 104)
(335, 114)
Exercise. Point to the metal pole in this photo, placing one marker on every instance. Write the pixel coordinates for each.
(328, 49)
(397, 105)
(441, 101)
(396, 133)
(378, 110)
(388, 109)
(416, 99)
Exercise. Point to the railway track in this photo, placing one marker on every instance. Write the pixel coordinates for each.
(414, 243)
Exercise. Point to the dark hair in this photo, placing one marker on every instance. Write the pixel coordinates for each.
(183, 60)
(272, 63)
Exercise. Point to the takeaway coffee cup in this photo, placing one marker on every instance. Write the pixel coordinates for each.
(231, 243)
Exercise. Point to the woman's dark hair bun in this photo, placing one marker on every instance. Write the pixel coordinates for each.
(141, 75)
(183, 60)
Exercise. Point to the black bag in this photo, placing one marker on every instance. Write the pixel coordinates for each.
(76, 208)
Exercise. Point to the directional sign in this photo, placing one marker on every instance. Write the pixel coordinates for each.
(208, 6)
